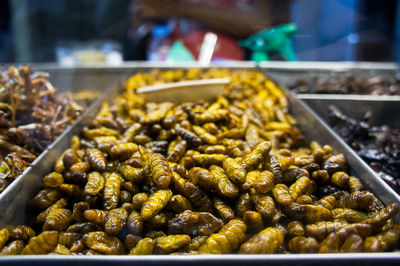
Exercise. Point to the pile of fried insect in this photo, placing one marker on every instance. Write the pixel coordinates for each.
(230, 176)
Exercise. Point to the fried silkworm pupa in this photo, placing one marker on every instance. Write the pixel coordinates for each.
(61, 203)
(223, 185)
(256, 156)
(4, 236)
(135, 222)
(299, 187)
(132, 131)
(191, 138)
(155, 203)
(21, 232)
(176, 150)
(264, 204)
(211, 116)
(358, 200)
(14, 248)
(349, 215)
(353, 244)
(61, 250)
(41, 244)
(264, 182)
(322, 229)
(131, 241)
(46, 197)
(115, 221)
(58, 220)
(196, 196)
(205, 136)
(96, 216)
(170, 243)
(135, 175)
(331, 244)
(196, 242)
(52, 180)
(96, 159)
(209, 159)
(301, 244)
(265, 242)
(160, 170)
(101, 242)
(295, 228)
(138, 200)
(282, 195)
(215, 149)
(382, 241)
(251, 179)
(243, 204)
(194, 223)
(179, 203)
(111, 191)
(340, 179)
(95, 184)
(234, 170)
(82, 228)
(320, 176)
(223, 209)
(383, 215)
(253, 220)
(144, 247)
(123, 151)
(328, 202)
(227, 239)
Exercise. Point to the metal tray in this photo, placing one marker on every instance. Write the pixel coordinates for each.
(313, 128)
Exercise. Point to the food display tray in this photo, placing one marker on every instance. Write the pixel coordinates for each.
(15, 202)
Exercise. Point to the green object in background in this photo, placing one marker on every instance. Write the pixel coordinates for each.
(179, 53)
(276, 39)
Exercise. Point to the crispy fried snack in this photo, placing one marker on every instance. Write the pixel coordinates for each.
(101, 242)
(95, 183)
(234, 170)
(170, 243)
(160, 171)
(111, 191)
(301, 244)
(194, 223)
(227, 239)
(41, 244)
(257, 155)
(143, 247)
(155, 203)
(265, 242)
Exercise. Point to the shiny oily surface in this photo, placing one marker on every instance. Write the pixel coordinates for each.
(222, 208)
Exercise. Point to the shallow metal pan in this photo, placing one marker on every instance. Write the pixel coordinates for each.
(313, 128)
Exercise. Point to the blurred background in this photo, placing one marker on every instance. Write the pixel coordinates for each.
(73, 32)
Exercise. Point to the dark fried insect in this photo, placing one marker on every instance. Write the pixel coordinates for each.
(135, 175)
(264, 204)
(115, 221)
(46, 197)
(282, 195)
(253, 220)
(21, 232)
(58, 220)
(176, 150)
(179, 203)
(52, 180)
(135, 222)
(14, 248)
(223, 209)
(194, 223)
(191, 138)
(300, 244)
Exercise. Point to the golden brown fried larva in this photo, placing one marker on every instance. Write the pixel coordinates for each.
(135, 175)
(14, 248)
(299, 187)
(4, 236)
(257, 155)
(281, 194)
(94, 184)
(253, 220)
(58, 220)
(46, 197)
(227, 239)
(223, 209)
(340, 179)
(160, 170)
(123, 151)
(155, 203)
(264, 182)
(263, 203)
(144, 247)
(96, 216)
(41, 244)
(295, 228)
(22, 232)
(300, 244)
(170, 243)
(138, 200)
(52, 180)
(115, 221)
(234, 170)
(205, 136)
(265, 242)
(111, 191)
(101, 242)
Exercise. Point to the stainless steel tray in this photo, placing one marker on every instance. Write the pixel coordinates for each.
(384, 108)
(313, 128)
